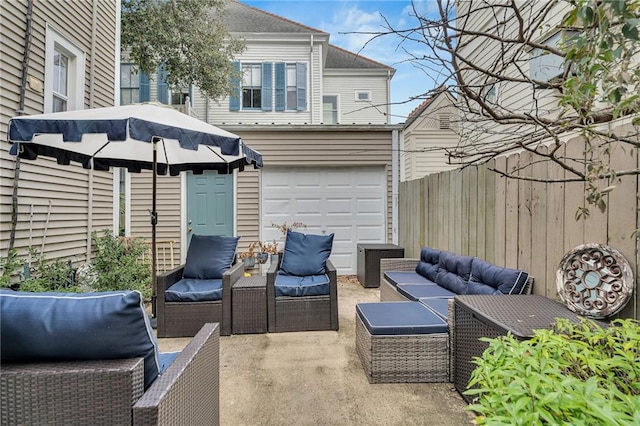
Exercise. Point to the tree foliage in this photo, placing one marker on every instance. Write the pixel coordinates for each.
(187, 37)
(483, 52)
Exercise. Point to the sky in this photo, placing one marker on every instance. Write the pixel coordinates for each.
(344, 19)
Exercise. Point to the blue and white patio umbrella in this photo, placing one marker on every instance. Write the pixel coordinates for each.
(137, 137)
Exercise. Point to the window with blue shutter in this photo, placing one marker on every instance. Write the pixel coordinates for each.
(163, 89)
(281, 87)
(234, 99)
(267, 81)
(301, 81)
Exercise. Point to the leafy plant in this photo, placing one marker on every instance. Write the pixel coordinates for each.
(9, 266)
(118, 263)
(573, 374)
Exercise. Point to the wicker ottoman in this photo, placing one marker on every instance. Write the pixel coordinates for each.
(411, 353)
(249, 305)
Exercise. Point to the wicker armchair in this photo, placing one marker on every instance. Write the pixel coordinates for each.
(180, 319)
(302, 313)
(112, 392)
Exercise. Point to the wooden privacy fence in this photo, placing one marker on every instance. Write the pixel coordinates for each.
(521, 224)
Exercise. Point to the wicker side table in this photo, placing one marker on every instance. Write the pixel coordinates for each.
(249, 305)
(369, 256)
(493, 316)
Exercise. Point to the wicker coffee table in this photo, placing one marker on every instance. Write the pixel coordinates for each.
(249, 305)
(493, 316)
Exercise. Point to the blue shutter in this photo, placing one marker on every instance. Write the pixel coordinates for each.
(281, 88)
(145, 88)
(234, 99)
(163, 89)
(301, 89)
(267, 91)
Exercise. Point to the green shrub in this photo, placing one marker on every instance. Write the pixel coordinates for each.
(119, 264)
(572, 374)
(56, 275)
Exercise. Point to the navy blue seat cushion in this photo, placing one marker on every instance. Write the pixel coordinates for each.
(305, 254)
(310, 285)
(68, 326)
(209, 256)
(454, 272)
(399, 277)
(428, 265)
(487, 278)
(190, 290)
(439, 307)
(399, 318)
(416, 291)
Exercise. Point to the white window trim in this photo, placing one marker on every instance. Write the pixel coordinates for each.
(75, 96)
(337, 96)
(357, 95)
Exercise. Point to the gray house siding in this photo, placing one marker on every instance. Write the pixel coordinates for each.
(58, 206)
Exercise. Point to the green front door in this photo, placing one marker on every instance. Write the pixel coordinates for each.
(209, 204)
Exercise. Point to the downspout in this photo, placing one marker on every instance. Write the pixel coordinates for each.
(388, 96)
(92, 82)
(20, 111)
(395, 178)
(310, 91)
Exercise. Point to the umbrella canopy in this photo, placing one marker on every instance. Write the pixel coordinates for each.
(138, 137)
(119, 136)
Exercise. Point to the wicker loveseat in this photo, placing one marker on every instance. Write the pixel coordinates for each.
(52, 371)
(406, 337)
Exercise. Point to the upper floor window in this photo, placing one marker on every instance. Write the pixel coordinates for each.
(330, 109)
(60, 79)
(64, 73)
(129, 85)
(363, 95)
(268, 85)
(251, 86)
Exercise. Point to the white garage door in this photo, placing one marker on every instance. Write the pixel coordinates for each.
(347, 201)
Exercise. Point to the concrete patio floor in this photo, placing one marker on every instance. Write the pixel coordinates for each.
(315, 378)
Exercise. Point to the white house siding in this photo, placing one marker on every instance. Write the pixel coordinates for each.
(273, 49)
(514, 96)
(425, 143)
(58, 196)
(346, 83)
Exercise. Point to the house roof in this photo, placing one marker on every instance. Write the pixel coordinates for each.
(339, 58)
(420, 109)
(241, 18)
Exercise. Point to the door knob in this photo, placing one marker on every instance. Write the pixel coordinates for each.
(189, 229)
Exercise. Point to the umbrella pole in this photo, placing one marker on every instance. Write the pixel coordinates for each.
(154, 221)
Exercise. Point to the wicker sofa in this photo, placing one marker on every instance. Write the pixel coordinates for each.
(59, 377)
(407, 336)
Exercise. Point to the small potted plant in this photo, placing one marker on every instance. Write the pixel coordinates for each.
(249, 256)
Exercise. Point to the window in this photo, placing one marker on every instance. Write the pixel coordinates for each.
(330, 109)
(60, 78)
(268, 86)
(292, 87)
(64, 74)
(545, 66)
(251, 86)
(489, 93)
(129, 85)
(179, 96)
(363, 95)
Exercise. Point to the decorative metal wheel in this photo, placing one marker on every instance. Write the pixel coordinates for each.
(595, 280)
